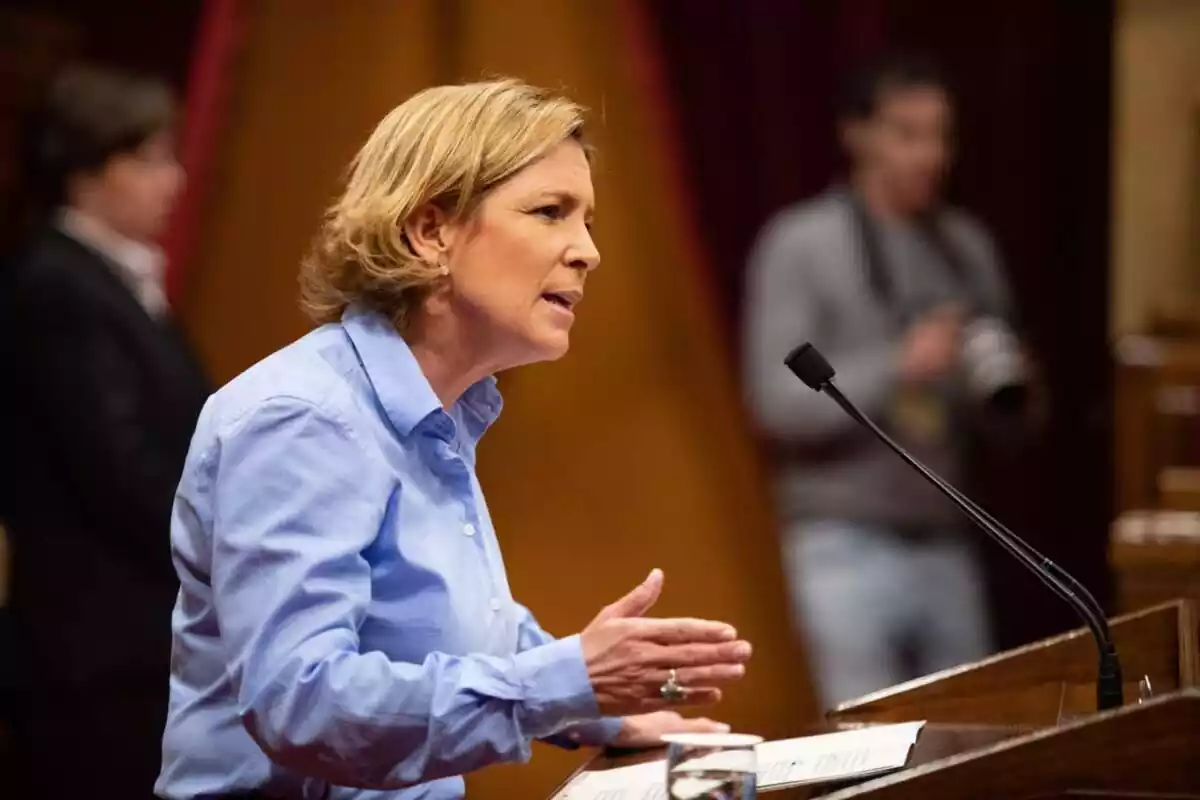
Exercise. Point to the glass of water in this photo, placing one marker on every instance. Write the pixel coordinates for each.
(711, 766)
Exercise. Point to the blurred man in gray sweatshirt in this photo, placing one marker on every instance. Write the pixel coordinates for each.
(889, 284)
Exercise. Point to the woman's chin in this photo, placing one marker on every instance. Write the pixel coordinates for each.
(551, 345)
(556, 350)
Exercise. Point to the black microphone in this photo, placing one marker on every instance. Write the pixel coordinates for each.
(811, 367)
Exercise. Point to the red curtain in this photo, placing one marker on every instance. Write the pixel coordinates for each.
(209, 81)
(645, 61)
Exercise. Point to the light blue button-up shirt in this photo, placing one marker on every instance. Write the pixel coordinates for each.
(344, 619)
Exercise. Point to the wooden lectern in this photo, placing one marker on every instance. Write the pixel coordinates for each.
(1047, 681)
(1023, 724)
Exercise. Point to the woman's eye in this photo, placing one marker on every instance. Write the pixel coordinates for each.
(549, 212)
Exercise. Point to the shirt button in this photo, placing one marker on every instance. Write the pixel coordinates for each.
(495, 604)
(469, 529)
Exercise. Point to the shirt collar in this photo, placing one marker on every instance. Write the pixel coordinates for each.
(138, 265)
(401, 386)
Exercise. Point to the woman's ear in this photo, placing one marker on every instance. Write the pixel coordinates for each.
(426, 231)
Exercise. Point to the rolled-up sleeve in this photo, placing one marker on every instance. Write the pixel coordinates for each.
(299, 497)
(596, 733)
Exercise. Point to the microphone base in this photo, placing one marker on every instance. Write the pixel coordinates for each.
(1110, 687)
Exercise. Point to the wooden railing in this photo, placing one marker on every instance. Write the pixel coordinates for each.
(1155, 557)
(1157, 447)
(1154, 545)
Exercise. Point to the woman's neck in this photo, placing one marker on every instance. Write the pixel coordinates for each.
(450, 367)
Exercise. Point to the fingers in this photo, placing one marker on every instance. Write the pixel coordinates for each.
(711, 675)
(692, 698)
(699, 725)
(637, 602)
(681, 631)
(697, 655)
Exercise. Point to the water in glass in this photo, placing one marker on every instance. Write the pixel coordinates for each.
(711, 766)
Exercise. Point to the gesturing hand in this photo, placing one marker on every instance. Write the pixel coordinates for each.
(629, 657)
(647, 730)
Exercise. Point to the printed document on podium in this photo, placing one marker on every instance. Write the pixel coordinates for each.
(788, 762)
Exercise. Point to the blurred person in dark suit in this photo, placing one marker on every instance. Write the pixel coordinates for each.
(907, 297)
(101, 397)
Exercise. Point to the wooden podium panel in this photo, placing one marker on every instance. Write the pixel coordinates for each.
(1045, 682)
(1023, 724)
(1146, 750)
(1141, 750)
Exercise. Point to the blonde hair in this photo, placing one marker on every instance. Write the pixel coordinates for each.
(447, 145)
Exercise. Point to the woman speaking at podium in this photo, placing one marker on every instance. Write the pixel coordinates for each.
(344, 626)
